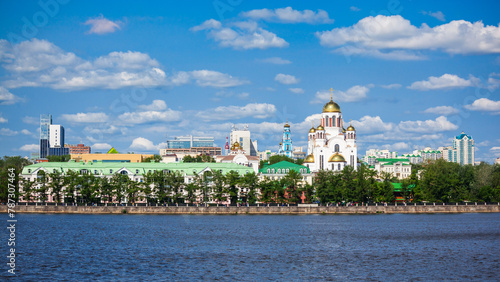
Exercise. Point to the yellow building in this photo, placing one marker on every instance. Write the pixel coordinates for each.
(111, 156)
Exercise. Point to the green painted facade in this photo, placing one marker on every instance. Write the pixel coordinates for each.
(284, 167)
(110, 168)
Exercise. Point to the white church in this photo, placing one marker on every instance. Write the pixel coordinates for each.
(330, 146)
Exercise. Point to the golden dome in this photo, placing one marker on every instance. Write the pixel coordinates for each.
(337, 158)
(320, 127)
(312, 130)
(331, 107)
(286, 124)
(350, 128)
(235, 146)
(309, 159)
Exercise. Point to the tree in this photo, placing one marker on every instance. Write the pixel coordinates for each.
(7, 165)
(56, 184)
(156, 158)
(293, 190)
(232, 180)
(63, 158)
(28, 190)
(219, 188)
(42, 189)
(249, 181)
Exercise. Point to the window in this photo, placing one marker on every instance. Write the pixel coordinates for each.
(279, 170)
(29, 170)
(337, 148)
(96, 172)
(136, 171)
(287, 170)
(110, 171)
(123, 172)
(268, 171)
(339, 166)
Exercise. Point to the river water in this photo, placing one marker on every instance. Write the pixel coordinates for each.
(256, 247)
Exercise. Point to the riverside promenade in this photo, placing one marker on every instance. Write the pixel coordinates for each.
(261, 209)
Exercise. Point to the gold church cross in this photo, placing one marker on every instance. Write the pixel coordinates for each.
(331, 93)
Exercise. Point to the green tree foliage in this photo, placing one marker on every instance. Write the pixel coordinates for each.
(16, 163)
(198, 159)
(63, 158)
(156, 158)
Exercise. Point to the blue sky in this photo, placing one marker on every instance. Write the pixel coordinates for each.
(409, 74)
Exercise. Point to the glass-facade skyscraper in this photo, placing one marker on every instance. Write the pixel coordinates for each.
(45, 122)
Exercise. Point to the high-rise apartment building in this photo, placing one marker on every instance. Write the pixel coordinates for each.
(45, 122)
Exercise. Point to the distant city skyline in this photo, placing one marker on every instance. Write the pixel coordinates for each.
(410, 74)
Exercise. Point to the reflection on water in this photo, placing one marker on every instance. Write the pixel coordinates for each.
(297, 247)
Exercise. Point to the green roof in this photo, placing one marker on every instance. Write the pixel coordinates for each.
(398, 187)
(112, 151)
(135, 168)
(283, 165)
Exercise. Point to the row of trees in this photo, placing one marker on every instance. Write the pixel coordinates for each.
(438, 181)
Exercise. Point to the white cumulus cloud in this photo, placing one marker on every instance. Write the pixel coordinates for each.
(101, 146)
(241, 35)
(254, 110)
(446, 81)
(439, 124)
(289, 15)
(101, 25)
(353, 94)
(156, 105)
(484, 105)
(7, 98)
(442, 110)
(286, 79)
(30, 148)
(369, 124)
(379, 35)
(143, 144)
(85, 117)
(296, 90)
(276, 61)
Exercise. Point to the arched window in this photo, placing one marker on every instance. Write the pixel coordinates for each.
(339, 166)
(337, 148)
(123, 172)
(279, 170)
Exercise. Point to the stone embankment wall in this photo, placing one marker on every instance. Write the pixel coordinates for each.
(256, 210)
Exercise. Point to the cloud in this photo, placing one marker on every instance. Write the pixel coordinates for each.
(438, 15)
(440, 124)
(379, 35)
(354, 9)
(7, 132)
(286, 79)
(31, 120)
(3, 120)
(101, 25)
(208, 24)
(369, 124)
(150, 116)
(156, 105)
(254, 110)
(30, 148)
(442, 110)
(289, 15)
(101, 146)
(391, 86)
(353, 94)
(143, 144)
(276, 61)
(484, 105)
(446, 81)
(296, 90)
(241, 35)
(102, 129)
(85, 117)
(7, 98)
(215, 79)
(397, 55)
(40, 63)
